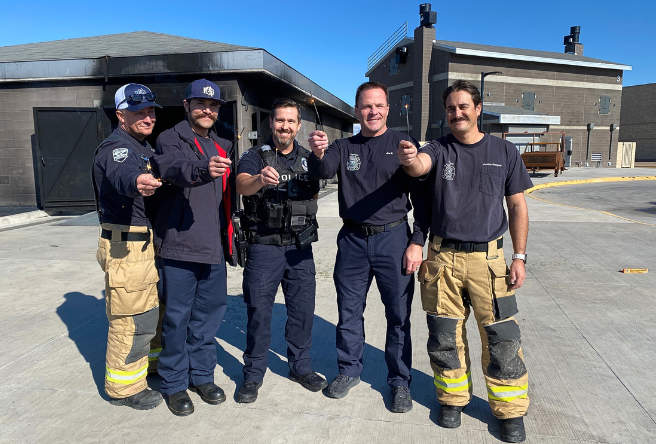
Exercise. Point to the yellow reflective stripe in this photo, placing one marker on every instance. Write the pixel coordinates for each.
(507, 393)
(154, 354)
(453, 385)
(126, 378)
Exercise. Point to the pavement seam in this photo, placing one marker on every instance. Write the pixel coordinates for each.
(595, 350)
(50, 342)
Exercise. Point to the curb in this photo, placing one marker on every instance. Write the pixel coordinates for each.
(22, 217)
(582, 181)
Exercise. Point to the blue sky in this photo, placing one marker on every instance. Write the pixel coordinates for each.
(330, 41)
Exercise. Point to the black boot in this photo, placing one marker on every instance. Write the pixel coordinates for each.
(210, 393)
(311, 381)
(180, 403)
(512, 429)
(144, 400)
(450, 416)
(248, 392)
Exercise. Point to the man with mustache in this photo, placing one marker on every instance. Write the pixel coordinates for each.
(469, 173)
(280, 207)
(193, 236)
(375, 241)
(121, 183)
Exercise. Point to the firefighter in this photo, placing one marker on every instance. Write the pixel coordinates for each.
(125, 249)
(470, 172)
(280, 207)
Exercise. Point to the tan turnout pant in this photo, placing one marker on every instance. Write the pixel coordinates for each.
(131, 305)
(451, 282)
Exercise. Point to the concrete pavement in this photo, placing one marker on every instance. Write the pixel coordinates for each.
(588, 337)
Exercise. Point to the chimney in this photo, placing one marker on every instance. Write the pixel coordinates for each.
(423, 50)
(571, 41)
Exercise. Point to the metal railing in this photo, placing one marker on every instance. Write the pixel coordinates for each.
(398, 35)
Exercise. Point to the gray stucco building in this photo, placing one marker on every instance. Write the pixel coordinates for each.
(57, 104)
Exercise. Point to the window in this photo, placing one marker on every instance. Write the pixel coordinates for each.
(394, 66)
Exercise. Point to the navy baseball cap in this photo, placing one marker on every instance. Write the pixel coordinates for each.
(134, 97)
(203, 89)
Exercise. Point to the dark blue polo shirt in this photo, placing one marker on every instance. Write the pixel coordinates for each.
(468, 184)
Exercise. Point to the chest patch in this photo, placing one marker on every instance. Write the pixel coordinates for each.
(353, 163)
(449, 172)
(304, 164)
(120, 154)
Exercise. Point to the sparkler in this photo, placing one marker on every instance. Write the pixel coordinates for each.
(312, 101)
(407, 119)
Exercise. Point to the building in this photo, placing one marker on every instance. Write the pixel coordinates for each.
(57, 104)
(529, 91)
(638, 121)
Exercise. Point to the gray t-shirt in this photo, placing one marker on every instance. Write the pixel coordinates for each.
(468, 183)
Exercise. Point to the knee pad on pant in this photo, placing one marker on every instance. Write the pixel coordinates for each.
(504, 341)
(442, 348)
(145, 325)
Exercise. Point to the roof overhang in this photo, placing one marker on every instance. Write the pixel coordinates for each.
(529, 58)
(226, 62)
(526, 119)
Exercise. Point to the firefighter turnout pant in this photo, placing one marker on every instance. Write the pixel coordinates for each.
(451, 282)
(131, 305)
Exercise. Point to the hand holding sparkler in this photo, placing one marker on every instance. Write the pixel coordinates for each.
(218, 166)
(268, 176)
(407, 152)
(318, 142)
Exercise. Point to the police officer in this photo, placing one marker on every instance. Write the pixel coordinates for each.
(280, 207)
(373, 202)
(470, 173)
(125, 250)
(193, 236)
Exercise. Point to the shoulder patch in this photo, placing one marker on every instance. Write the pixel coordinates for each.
(265, 148)
(243, 154)
(120, 154)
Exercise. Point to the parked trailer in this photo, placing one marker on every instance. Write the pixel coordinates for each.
(552, 157)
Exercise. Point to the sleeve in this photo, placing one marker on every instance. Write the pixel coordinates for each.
(327, 167)
(420, 197)
(250, 163)
(517, 179)
(431, 150)
(122, 167)
(175, 168)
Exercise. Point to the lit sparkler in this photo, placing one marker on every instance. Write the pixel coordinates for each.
(313, 102)
(407, 119)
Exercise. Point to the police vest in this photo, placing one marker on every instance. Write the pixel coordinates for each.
(276, 210)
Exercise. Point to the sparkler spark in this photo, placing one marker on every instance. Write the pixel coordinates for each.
(312, 101)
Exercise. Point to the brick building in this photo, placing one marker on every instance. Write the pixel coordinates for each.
(531, 91)
(638, 121)
(57, 104)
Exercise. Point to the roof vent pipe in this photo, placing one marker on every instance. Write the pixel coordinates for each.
(575, 32)
(428, 17)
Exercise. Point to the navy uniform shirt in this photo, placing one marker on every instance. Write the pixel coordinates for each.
(116, 166)
(468, 184)
(373, 187)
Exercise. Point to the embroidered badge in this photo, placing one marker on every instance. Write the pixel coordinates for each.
(304, 164)
(120, 154)
(353, 163)
(209, 91)
(449, 171)
(141, 91)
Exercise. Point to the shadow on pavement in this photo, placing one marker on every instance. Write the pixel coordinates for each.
(84, 316)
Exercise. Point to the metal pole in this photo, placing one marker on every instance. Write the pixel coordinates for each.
(480, 119)
(610, 148)
(587, 150)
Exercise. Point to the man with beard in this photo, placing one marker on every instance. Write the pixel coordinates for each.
(280, 207)
(470, 173)
(375, 241)
(193, 236)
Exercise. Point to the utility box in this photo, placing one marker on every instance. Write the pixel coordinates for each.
(625, 155)
(568, 152)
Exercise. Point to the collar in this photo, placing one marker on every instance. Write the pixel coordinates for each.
(127, 136)
(184, 129)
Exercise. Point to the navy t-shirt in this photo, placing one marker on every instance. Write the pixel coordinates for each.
(469, 183)
(373, 187)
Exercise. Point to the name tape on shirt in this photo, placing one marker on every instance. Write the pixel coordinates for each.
(120, 154)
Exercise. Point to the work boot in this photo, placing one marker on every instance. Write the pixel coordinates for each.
(248, 392)
(402, 401)
(340, 386)
(144, 400)
(210, 393)
(450, 416)
(311, 381)
(512, 430)
(180, 403)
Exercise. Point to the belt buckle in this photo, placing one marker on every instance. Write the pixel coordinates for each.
(368, 230)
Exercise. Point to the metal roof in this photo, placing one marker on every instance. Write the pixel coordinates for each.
(509, 114)
(528, 55)
(129, 44)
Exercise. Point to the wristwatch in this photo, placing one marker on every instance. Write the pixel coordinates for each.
(519, 256)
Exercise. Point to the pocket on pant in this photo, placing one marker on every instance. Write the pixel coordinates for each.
(251, 287)
(132, 287)
(430, 277)
(504, 301)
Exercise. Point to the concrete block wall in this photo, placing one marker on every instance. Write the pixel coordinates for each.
(638, 120)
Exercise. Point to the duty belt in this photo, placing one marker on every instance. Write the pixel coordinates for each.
(469, 247)
(127, 236)
(280, 240)
(369, 230)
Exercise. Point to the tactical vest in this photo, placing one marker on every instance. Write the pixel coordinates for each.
(272, 210)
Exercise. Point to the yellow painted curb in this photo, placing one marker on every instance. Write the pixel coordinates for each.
(597, 180)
